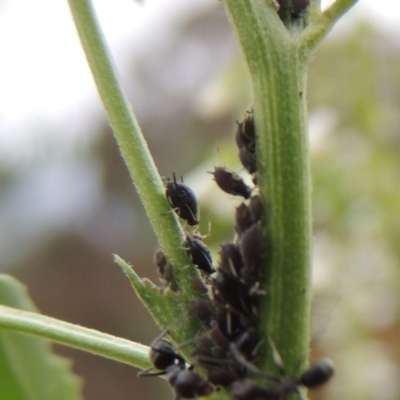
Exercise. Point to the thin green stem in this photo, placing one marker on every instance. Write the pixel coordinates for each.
(76, 336)
(321, 23)
(132, 144)
(338, 9)
(136, 154)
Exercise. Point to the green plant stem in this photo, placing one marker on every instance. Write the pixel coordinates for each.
(76, 336)
(278, 82)
(131, 142)
(277, 58)
(144, 175)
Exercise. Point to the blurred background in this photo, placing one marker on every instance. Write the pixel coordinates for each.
(67, 203)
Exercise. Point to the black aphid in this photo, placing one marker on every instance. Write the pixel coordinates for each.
(256, 208)
(231, 262)
(230, 182)
(243, 218)
(188, 384)
(218, 336)
(317, 375)
(198, 285)
(248, 389)
(253, 249)
(248, 160)
(199, 254)
(163, 356)
(183, 200)
(246, 134)
(298, 6)
(292, 8)
(229, 324)
(220, 377)
(165, 270)
(202, 309)
(229, 289)
(234, 293)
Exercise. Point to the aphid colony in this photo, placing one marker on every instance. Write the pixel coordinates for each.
(229, 345)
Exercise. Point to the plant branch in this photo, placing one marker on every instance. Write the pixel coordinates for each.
(76, 336)
(338, 9)
(322, 22)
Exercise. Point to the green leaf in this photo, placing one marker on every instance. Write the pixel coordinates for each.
(28, 368)
(164, 306)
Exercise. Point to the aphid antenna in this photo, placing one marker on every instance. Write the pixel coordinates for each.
(257, 347)
(210, 362)
(276, 356)
(256, 291)
(233, 310)
(233, 270)
(146, 373)
(197, 234)
(241, 359)
(218, 154)
(281, 367)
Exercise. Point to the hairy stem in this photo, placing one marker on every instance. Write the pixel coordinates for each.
(131, 142)
(166, 310)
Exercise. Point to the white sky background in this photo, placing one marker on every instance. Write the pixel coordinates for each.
(44, 76)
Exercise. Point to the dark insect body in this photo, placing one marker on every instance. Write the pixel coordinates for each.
(230, 182)
(199, 254)
(198, 285)
(163, 356)
(231, 262)
(246, 134)
(228, 285)
(182, 200)
(317, 375)
(248, 160)
(202, 309)
(186, 383)
(234, 293)
(298, 6)
(164, 270)
(243, 218)
(292, 8)
(256, 208)
(220, 377)
(253, 249)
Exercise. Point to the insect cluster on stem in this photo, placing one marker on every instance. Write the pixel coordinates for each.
(228, 296)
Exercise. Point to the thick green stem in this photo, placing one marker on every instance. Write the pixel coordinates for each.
(277, 77)
(76, 336)
(277, 57)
